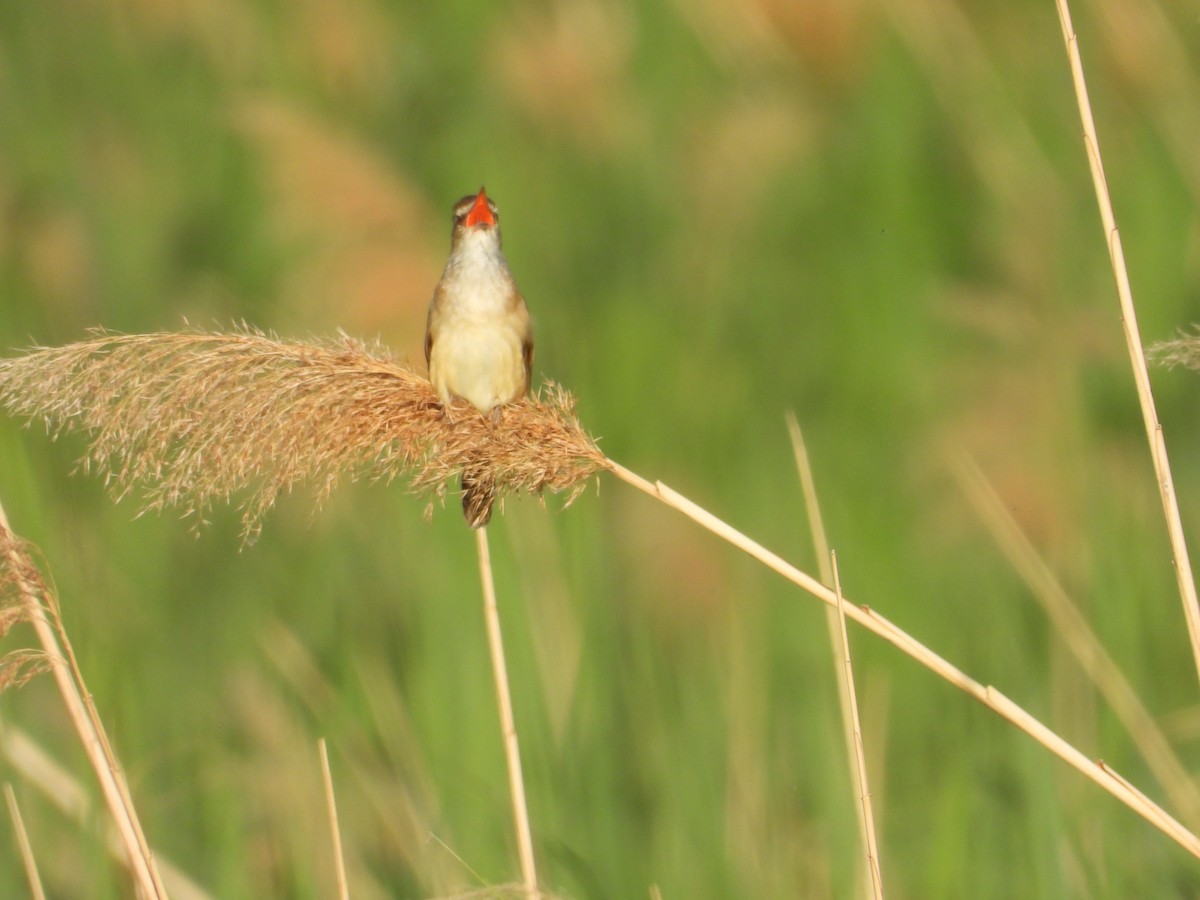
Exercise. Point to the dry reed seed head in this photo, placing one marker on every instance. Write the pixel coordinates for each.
(19, 667)
(23, 593)
(191, 418)
(22, 589)
(1183, 351)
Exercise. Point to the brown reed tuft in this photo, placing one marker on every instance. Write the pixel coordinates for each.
(193, 417)
(22, 592)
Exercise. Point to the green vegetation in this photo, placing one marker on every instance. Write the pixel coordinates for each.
(877, 215)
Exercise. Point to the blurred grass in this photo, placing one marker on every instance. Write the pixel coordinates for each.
(877, 214)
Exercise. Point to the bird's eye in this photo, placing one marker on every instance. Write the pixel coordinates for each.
(462, 207)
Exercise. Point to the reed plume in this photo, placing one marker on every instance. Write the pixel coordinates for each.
(1183, 351)
(190, 418)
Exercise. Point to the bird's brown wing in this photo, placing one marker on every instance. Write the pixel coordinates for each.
(527, 355)
(429, 323)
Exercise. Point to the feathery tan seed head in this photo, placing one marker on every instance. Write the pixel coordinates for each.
(193, 417)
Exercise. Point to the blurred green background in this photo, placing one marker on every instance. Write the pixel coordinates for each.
(875, 213)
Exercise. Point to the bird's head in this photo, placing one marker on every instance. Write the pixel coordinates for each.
(476, 218)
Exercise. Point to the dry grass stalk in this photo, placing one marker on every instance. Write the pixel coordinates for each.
(860, 758)
(193, 418)
(1133, 342)
(38, 769)
(1081, 640)
(834, 621)
(27, 859)
(508, 725)
(873, 621)
(339, 859)
(41, 607)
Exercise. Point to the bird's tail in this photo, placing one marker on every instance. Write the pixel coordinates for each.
(479, 493)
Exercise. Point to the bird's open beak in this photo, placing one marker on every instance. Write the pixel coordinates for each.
(480, 213)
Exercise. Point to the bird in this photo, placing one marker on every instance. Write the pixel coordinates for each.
(478, 336)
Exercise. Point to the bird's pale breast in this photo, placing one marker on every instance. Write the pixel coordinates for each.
(478, 328)
(481, 361)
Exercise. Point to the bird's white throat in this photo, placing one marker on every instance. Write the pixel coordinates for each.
(477, 280)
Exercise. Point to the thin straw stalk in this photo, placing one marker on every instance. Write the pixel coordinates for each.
(27, 859)
(508, 726)
(335, 831)
(83, 716)
(1133, 342)
(834, 623)
(1082, 642)
(38, 769)
(860, 759)
(873, 621)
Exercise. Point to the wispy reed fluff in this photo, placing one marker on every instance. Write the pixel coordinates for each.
(191, 418)
(1183, 351)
